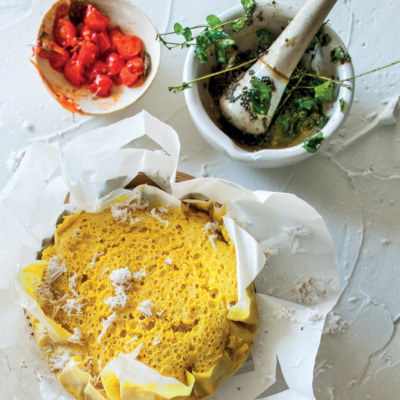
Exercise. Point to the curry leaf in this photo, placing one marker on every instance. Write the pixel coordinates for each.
(265, 39)
(314, 143)
(178, 28)
(213, 20)
(324, 92)
(260, 96)
(339, 56)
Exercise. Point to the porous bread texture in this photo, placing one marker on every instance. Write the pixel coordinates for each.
(142, 275)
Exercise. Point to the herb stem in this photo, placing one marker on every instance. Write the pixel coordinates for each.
(186, 84)
(328, 79)
(370, 72)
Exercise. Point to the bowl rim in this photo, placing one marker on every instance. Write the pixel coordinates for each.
(265, 157)
(75, 106)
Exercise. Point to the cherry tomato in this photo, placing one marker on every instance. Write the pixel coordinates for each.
(114, 63)
(103, 42)
(101, 85)
(132, 71)
(64, 33)
(59, 59)
(98, 68)
(135, 65)
(73, 71)
(87, 33)
(87, 53)
(129, 46)
(115, 34)
(95, 20)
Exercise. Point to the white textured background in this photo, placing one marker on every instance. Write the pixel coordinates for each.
(353, 181)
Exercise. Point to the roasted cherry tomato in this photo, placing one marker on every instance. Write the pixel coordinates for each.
(129, 46)
(73, 71)
(115, 34)
(101, 86)
(98, 68)
(132, 71)
(58, 60)
(114, 63)
(64, 33)
(87, 33)
(87, 53)
(103, 42)
(95, 20)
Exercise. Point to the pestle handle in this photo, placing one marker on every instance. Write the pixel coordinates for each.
(286, 52)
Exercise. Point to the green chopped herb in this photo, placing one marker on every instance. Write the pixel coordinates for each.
(324, 92)
(342, 104)
(260, 97)
(314, 143)
(339, 56)
(265, 39)
(324, 39)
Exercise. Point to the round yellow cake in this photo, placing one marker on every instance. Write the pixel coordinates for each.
(144, 277)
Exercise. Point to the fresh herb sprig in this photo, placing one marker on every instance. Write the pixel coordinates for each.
(212, 35)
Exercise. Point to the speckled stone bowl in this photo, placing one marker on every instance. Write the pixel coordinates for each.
(133, 21)
(205, 114)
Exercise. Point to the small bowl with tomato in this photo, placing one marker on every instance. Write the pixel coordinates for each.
(96, 58)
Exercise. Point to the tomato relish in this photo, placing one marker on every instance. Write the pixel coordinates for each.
(87, 51)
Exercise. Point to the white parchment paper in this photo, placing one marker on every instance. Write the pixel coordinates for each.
(295, 290)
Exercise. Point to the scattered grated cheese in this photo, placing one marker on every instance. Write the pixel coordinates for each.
(116, 301)
(93, 261)
(76, 337)
(54, 269)
(157, 216)
(132, 340)
(120, 276)
(120, 212)
(60, 361)
(106, 323)
(168, 261)
(133, 221)
(156, 341)
(138, 275)
(145, 308)
(212, 227)
(71, 305)
(212, 237)
(72, 281)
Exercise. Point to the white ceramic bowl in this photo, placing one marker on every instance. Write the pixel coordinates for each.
(133, 21)
(205, 115)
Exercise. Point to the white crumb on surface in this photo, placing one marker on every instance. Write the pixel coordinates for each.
(295, 234)
(73, 306)
(285, 313)
(310, 290)
(94, 258)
